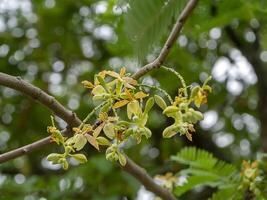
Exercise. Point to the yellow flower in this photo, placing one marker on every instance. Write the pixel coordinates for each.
(79, 140)
(201, 97)
(56, 135)
(129, 97)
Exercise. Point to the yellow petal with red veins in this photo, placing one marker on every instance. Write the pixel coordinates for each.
(92, 141)
(128, 94)
(98, 129)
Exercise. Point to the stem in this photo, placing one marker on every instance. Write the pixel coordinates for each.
(159, 89)
(179, 77)
(91, 113)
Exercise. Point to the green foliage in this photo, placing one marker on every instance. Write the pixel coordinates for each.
(204, 169)
(147, 21)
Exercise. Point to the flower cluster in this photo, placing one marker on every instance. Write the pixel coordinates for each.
(250, 175)
(115, 92)
(181, 111)
(69, 147)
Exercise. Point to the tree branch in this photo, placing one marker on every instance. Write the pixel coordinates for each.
(24, 150)
(42, 97)
(142, 176)
(170, 41)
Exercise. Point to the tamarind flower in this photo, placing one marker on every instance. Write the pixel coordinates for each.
(199, 94)
(126, 81)
(56, 135)
(113, 154)
(138, 126)
(169, 180)
(250, 170)
(79, 140)
(128, 97)
(184, 118)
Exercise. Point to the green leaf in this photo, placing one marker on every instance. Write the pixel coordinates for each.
(224, 194)
(204, 169)
(193, 182)
(147, 21)
(202, 159)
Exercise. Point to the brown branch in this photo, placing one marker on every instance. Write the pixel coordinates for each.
(24, 150)
(42, 97)
(170, 41)
(142, 176)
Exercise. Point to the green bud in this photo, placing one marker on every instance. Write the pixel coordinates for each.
(149, 104)
(64, 163)
(103, 141)
(170, 110)
(160, 102)
(69, 149)
(128, 132)
(183, 106)
(194, 92)
(109, 156)
(146, 132)
(80, 158)
(122, 159)
(54, 157)
(169, 131)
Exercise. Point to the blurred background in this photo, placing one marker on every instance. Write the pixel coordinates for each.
(55, 44)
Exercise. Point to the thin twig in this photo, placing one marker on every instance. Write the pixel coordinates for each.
(179, 77)
(160, 90)
(170, 41)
